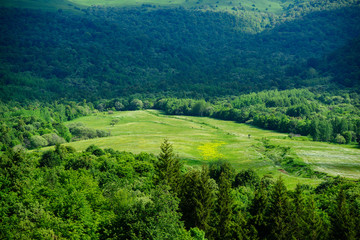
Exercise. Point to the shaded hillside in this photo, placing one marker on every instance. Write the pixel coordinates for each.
(112, 52)
(344, 64)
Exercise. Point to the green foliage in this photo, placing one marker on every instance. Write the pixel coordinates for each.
(168, 167)
(67, 194)
(287, 159)
(80, 132)
(151, 217)
(31, 123)
(343, 225)
(136, 104)
(279, 213)
(225, 202)
(50, 159)
(93, 149)
(247, 178)
(139, 57)
(340, 139)
(53, 139)
(283, 111)
(219, 167)
(197, 199)
(257, 220)
(38, 141)
(140, 51)
(197, 234)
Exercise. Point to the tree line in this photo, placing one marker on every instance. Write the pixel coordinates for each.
(328, 117)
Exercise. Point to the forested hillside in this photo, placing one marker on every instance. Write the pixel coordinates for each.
(112, 52)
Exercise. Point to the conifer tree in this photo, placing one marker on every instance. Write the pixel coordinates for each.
(198, 199)
(225, 203)
(299, 212)
(279, 213)
(257, 222)
(168, 167)
(343, 226)
(314, 227)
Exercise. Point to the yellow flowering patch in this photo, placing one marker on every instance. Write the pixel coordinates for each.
(209, 151)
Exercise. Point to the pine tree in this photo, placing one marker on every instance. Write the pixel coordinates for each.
(299, 212)
(279, 213)
(197, 199)
(168, 167)
(257, 222)
(343, 226)
(314, 226)
(225, 204)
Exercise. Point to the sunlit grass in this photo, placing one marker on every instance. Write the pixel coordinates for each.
(144, 131)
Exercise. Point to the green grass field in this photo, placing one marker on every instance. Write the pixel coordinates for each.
(199, 140)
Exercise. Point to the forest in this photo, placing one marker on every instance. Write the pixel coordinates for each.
(107, 194)
(289, 66)
(112, 52)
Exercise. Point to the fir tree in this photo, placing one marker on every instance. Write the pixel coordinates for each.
(314, 227)
(225, 203)
(299, 212)
(279, 213)
(198, 199)
(343, 226)
(257, 222)
(168, 167)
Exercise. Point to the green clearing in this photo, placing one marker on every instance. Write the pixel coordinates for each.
(198, 140)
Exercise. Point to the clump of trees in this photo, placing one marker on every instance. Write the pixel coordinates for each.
(80, 132)
(36, 125)
(103, 193)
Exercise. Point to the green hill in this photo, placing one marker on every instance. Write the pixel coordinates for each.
(112, 52)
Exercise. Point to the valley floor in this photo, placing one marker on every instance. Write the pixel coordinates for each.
(198, 140)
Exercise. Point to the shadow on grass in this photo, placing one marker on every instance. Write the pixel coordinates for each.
(193, 162)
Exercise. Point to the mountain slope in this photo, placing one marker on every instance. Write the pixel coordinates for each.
(344, 64)
(115, 52)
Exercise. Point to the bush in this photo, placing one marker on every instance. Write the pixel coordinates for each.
(53, 139)
(38, 141)
(340, 139)
(63, 131)
(102, 133)
(136, 104)
(85, 161)
(247, 178)
(50, 159)
(95, 150)
(79, 131)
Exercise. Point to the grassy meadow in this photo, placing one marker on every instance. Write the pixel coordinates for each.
(198, 140)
